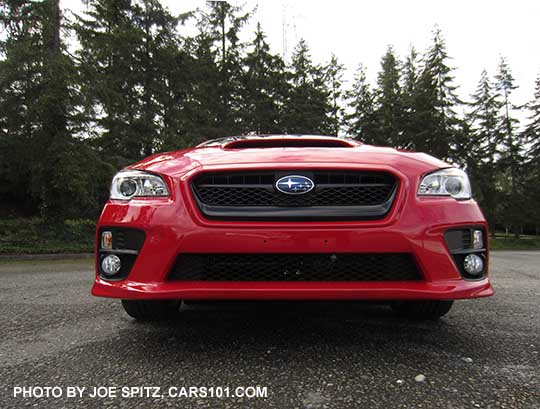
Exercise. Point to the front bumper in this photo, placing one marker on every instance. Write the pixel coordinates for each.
(441, 290)
(414, 225)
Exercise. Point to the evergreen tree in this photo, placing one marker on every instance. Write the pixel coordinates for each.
(223, 23)
(172, 85)
(127, 61)
(265, 88)
(436, 102)
(411, 126)
(531, 135)
(389, 108)
(532, 130)
(512, 159)
(482, 150)
(39, 106)
(334, 78)
(361, 119)
(204, 107)
(307, 105)
(20, 75)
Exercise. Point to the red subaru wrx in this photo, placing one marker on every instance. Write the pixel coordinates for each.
(291, 218)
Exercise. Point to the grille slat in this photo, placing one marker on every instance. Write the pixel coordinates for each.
(295, 267)
(333, 189)
(467, 240)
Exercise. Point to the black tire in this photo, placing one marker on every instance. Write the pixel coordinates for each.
(150, 310)
(422, 310)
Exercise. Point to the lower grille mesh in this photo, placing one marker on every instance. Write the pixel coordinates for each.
(296, 267)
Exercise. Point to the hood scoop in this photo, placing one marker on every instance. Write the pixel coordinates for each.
(290, 143)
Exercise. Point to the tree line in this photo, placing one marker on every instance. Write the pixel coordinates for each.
(136, 84)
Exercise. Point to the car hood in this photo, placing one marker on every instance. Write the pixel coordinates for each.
(178, 163)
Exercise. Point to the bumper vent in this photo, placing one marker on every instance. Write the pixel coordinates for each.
(460, 244)
(126, 244)
(337, 195)
(296, 267)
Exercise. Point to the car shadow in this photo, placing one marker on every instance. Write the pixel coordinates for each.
(228, 326)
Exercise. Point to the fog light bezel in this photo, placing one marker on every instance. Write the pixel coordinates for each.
(126, 245)
(128, 260)
(459, 247)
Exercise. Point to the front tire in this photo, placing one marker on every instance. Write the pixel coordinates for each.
(422, 310)
(151, 310)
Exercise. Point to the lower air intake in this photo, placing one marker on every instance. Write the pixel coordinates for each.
(296, 267)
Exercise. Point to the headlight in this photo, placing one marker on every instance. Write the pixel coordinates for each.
(135, 183)
(446, 182)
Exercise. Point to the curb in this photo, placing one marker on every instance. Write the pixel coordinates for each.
(59, 256)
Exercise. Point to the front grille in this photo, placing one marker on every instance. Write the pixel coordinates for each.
(252, 194)
(295, 267)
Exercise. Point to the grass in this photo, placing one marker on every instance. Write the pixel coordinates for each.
(511, 243)
(35, 236)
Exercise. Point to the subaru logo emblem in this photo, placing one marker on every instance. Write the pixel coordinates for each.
(294, 185)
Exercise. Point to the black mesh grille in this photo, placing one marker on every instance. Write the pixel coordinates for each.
(257, 189)
(333, 189)
(296, 267)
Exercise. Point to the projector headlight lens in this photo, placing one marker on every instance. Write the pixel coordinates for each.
(136, 183)
(128, 187)
(446, 182)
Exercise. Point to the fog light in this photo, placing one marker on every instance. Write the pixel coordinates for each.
(478, 239)
(111, 265)
(473, 264)
(106, 240)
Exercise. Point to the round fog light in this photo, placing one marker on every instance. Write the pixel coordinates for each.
(473, 264)
(111, 265)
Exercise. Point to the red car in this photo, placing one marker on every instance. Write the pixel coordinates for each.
(291, 218)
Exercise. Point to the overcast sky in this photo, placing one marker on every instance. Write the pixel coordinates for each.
(477, 32)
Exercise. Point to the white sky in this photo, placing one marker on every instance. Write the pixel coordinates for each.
(477, 32)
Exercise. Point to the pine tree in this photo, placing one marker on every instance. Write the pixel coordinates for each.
(532, 130)
(436, 101)
(265, 87)
(531, 135)
(20, 75)
(512, 159)
(482, 149)
(204, 106)
(361, 120)
(125, 61)
(334, 77)
(388, 102)
(223, 23)
(307, 105)
(411, 126)
(40, 108)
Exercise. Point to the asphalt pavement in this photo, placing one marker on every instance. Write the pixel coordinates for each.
(483, 354)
